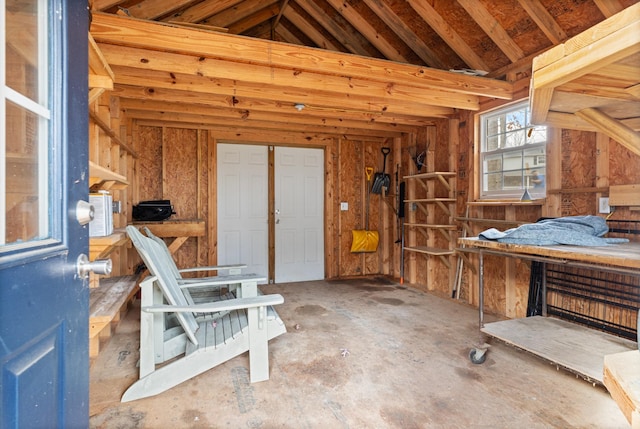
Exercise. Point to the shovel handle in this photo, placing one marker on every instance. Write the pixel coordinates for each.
(385, 151)
(369, 172)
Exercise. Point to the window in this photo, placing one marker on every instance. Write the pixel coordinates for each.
(24, 122)
(512, 154)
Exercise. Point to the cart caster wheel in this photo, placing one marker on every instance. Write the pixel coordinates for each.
(478, 356)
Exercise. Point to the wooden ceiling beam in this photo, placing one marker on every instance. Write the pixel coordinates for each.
(573, 122)
(287, 35)
(613, 128)
(203, 10)
(284, 96)
(254, 20)
(310, 30)
(380, 8)
(250, 122)
(339, 90)
(276, 21)
(260, 31)
(251, 105)
(576, 58)
(306, 117)
(144, 34)
(448, 34)
(493, 29)
(152, 9)
(104, 4)
(368, 32)
(240, 12)
(608, 7)
(544, 20)
(347, 40)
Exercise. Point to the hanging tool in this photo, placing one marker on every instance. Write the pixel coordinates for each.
(365, 241)
(382, 180)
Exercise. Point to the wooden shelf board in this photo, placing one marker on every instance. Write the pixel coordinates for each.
(431, 175)
(175, 228)
(429, 250)
(98, 174)
(428, 225)
(505, 203)
(431, 200)
(102, 246)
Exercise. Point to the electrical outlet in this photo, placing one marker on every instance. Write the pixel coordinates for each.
(604, 205)
(344, 206)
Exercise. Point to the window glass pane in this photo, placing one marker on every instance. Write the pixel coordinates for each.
(22, 55)
(537, 135)
(24, 125)
(513, 179)
(512, 154)
(493, 163)
(515, 120)
(24, 173)
(493, 143)
(493, 182)
(515, 139)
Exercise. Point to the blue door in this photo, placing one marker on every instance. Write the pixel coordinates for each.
(44, 364)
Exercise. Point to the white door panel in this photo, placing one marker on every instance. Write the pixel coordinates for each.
(242, 206)
(299, 193)
(243, 210)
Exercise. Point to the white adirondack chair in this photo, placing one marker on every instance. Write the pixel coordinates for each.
(229, 269)
(238, 325)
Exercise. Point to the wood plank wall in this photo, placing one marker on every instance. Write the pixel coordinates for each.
(178, 163)
(587, 164)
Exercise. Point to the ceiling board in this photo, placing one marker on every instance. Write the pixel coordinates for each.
(418, 36)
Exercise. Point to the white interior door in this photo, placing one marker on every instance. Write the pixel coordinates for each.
(242, 206)
(299, 214)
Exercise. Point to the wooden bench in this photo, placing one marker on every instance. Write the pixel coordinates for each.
(107, 304)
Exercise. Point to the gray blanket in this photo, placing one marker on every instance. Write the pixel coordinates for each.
(574, 230)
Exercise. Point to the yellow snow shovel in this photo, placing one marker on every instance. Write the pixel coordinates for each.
(365, 241)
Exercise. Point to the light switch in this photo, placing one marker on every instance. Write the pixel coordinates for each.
(344, 206)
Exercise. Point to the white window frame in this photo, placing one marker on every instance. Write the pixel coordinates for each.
(41, 109)
(518, 148)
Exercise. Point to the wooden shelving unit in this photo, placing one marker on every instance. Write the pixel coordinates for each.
(431, 202)
(103, 178)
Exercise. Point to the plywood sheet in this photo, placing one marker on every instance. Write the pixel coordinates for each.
(578, 349)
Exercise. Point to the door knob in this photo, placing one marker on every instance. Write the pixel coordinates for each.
(84, 212)
(99, 266)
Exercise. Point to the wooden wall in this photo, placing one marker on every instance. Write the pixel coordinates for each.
(176, 162)
(580, 168)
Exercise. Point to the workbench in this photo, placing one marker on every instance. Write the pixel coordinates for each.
(576, 348)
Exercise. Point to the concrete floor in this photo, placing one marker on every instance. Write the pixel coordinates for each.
(359, 354)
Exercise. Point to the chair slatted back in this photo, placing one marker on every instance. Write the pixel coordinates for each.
(167, 253)
(152, 255)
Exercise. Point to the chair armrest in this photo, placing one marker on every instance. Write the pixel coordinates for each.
(226, 305)
(213, 268)
(222, 280)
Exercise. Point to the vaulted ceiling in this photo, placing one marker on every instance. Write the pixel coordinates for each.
(497, 39)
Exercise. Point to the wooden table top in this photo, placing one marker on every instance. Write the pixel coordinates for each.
(626, 255)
